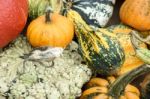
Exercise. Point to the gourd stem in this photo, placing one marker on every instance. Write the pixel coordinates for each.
(119, 85)
(47, 14)
(67, 4)
(145, 40)
(135, 46)
(145, 87)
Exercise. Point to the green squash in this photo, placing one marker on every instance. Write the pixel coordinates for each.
(99, 48)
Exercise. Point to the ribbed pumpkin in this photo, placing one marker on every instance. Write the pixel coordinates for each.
(99, 88)
(136, 13)
(99, 48)
(131, 60)
(95, 13)
(50, 29)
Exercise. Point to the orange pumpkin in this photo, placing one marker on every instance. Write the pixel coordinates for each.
(50, 29)
(136, 13)
(98, 88)
(111, 88)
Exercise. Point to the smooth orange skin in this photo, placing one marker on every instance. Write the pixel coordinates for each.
(58, 32)
(13, 17)
(136, 13)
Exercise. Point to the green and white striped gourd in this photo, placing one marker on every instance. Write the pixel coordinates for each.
(96, 13)
(100, 48)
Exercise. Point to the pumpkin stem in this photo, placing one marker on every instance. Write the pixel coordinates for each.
(47, 14)
(119, 85)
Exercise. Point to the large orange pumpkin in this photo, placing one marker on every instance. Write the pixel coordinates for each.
(136, 13)
(13, 16)
(51, 29)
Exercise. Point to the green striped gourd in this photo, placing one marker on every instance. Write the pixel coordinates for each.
(95, 13)
(99, 48)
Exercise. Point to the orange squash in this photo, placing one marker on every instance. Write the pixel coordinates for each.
(50, 29)
(131, 60)
(136, 13)
(98, 88)
(111, 88)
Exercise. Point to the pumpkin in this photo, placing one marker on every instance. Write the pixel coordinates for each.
(37, 7)
(96, 13)
(131, 60)
(99, 88)
(99, 48)
(145, 87)
(136, 13)
(13, 18)
(50, 29)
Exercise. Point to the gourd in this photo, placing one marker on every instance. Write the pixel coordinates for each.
(118, 89)
(50, 29)
(95, 13)
(136, 13)
(97, 88)
(145, 87)
(13, 18)
(131, 59)
(37, 7)
(99, 48)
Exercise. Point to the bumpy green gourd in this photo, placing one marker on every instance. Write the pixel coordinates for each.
(99, 48)
(37, 7)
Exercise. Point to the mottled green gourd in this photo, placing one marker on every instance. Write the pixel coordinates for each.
(99, 48)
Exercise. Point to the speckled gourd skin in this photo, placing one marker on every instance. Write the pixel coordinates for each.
(123, 35)
(96, 13)
(100, 49)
